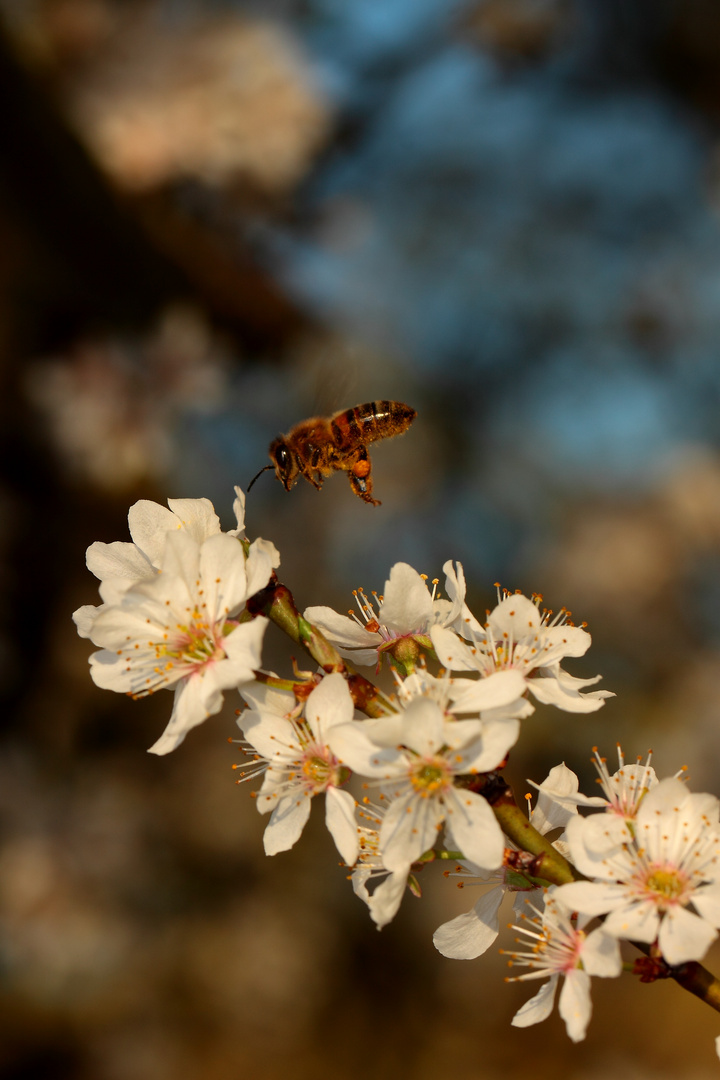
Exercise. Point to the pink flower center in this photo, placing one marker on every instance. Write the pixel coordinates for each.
(319, 769)
(195, 645)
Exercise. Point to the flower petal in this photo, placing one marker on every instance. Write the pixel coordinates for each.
(407, 605)
(329, 704)
(196, 698)
(567, 640)
(273, 736)
(706, 901)
(286, 823)
(470, 935)
(684, 936)
(455, 588)
(538, 1008)
(352, 746)
(592, 897)
(150, 523)
(596, 842)
(409, 828)
(554, 809)
(452, 651)
(663, 799)
(486, 753)
(110, 672)
(243, 647)
(263, 558)
(222, 570)
(422, 726)
(180, 562)
(266, 698)
(342, 631)
(575, 1006)
(84, 619)
(635, 921)
(515, 616)
(239, 511)
(601, 954)
(474, 828)
(119, 560)
(386, 899)
(340, 820)
(551, 692)
(489, 692)
(195, 516)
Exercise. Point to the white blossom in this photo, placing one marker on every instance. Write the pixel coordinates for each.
(469, 935)
(623, 790)
(294, 753)
(416, 764)
(657, 877)
(177, 629)
(519, 636)
(120, 565)
(498, 697)
(559, 945)
(406, 610)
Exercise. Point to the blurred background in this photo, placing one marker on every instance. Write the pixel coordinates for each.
(218, 219)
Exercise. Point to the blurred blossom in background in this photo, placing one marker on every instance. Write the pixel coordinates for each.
(218, 219)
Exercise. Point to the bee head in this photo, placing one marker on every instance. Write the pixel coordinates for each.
(285, 462)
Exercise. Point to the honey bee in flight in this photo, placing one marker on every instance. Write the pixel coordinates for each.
(325, 444)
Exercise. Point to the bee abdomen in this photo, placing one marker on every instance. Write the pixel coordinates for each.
(369, 422)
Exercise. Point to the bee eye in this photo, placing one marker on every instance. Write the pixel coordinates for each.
(282, 457)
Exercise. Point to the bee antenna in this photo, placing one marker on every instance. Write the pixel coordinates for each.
(259, 474)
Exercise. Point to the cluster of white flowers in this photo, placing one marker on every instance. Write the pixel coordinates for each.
(652, 862)
(170, 604)
(414, 776)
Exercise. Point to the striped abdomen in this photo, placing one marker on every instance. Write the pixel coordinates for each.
(370, 422)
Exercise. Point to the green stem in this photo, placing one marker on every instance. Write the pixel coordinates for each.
(277, 683)
(276, 602)
(551, 866)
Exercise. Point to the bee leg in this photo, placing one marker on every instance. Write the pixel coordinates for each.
(312, 474)
(316, 481)
(359, 474)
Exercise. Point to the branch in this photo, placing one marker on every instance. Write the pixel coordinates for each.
(697, 980)
(550, 865)
(276, 602)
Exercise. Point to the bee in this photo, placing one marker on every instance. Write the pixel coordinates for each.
(325, 444)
